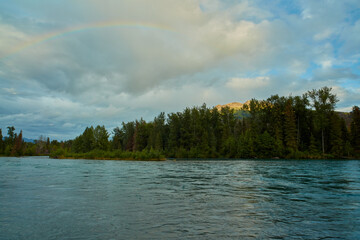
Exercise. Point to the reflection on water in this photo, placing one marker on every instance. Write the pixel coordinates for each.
(42, 198)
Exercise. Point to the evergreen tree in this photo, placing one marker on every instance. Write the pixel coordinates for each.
(77, 144)
(335, 138)
(230, 149)
(228, 138)
(313, 149)
(264, 145)
(141, 135)
(117, 141)
(303, 121)
(323, 101)
(11, 136)
(187, 130)
(101, 138)
(48, 145)
(128, 135)
(217, 127)
(246, 145)
(254, 109)
(355, 130)
(174, 124)
(88, 140)
(290, 127)
(1, 142)
(345, 136)
(276, 127)
(273, 121)
(17, 148)
(157, 132)
(11, 133)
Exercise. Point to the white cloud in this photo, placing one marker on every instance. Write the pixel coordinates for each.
(10, 90)
(323, 35)
(248, 83)
(351, 38)
(10, 37)
(306, 14)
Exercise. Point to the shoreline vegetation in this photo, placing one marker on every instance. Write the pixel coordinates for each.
(111, 155)
(293, 127)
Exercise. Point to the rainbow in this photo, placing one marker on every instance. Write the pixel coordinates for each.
(54, 34)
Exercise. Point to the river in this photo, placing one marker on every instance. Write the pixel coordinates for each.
(42, 198)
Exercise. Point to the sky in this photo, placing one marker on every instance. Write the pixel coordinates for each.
(69, 64)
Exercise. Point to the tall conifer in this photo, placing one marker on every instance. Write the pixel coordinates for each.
(290, 127)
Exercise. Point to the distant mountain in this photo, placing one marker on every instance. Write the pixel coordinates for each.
(233, 105)
(29, 140)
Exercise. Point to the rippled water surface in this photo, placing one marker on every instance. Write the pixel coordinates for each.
(43, 198)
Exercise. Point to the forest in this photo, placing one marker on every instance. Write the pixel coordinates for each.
(292, 127)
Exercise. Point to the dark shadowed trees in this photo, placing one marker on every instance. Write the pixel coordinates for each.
(355, 130)
(287, 127)
(290, 127)
(2, 144)
(323, 102)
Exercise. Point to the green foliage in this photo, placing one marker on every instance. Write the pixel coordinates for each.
(8, 150)
(126, 136)
(336, 138)
(11, 134)
(264, 145)
(92, 138)
(88, 140)
(313, 148)
(101, 137)
(141, 135)
(323, 101)
(283, 127)
(2, 144)
(355, 130)
(58, 153)
(17, 149)
(30, 149)
(290, 127)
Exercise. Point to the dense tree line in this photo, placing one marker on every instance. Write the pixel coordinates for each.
(286, 127)
(14, 145)
(279, 127)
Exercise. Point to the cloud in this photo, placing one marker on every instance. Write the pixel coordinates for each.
(351, 40)
(170, 55)
(334, 74)
(145, 58)
(10, 91)
(248, 83)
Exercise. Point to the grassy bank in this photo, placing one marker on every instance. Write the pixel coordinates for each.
(145, 155)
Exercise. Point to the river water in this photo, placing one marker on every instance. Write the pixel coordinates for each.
(42, 198)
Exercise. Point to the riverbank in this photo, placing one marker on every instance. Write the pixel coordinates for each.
(199, 159)
(112, 159)
(144, 155)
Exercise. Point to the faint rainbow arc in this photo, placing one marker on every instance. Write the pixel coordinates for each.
(48, 36)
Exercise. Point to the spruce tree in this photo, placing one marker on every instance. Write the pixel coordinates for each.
(290, 127)
(88, 141)
(335, 137)
(101, 138)
(1, 142)
(355, 130)
(17, 148)
(313, 149)
(323, 102)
